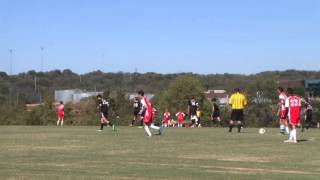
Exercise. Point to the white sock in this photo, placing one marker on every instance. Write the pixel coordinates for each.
(294, 135)
(290, 135)
(281, 127)
(154, 127)
(58, 123)
(287, 130)
(62, 123)
(146, 128)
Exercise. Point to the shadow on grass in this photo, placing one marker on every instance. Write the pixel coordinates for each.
(303, 140)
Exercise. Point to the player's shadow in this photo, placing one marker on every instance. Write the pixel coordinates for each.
(303, 140)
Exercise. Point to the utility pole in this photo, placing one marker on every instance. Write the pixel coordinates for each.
(10, 51)
(42, 49)
(35, 84)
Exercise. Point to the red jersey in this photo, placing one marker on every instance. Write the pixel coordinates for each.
(293, 103)
(180, 116)
(149, 110)
(60, 111)
(166, 117)
(282, 101)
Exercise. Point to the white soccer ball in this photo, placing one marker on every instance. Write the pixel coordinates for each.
(262, 131)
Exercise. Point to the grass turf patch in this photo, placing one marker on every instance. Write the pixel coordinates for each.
(48, 152)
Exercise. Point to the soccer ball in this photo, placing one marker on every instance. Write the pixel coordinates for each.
(262, 131)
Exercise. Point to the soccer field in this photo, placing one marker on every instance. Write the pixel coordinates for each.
(48, 152)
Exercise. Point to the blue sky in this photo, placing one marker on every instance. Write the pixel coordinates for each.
(164, 36)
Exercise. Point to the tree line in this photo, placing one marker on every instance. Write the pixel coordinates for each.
(171, 91)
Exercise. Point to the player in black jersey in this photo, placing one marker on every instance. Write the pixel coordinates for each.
(192, 110)
(307, 111)
(215, 115)
(136, 110)
(103, 107)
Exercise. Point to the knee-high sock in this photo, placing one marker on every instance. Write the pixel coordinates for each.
(291, 135)
(146, 128)
(58, 123)
(294, 135)
(239, 127)
(62, 122)
(287, 130)
(230, 127)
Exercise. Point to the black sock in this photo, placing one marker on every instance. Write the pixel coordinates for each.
(239, 127)
(230, 127)
(101, 127)
(132, 122)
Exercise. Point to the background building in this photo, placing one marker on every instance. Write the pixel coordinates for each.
(73, 95)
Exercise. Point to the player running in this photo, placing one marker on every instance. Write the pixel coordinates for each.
(215, 114)
(147, 114)
(166, 117)
(180, 117)
(136, 110)
(192, 110)
(60, 114)
(292, 105)
(284, 129)
(103, 107)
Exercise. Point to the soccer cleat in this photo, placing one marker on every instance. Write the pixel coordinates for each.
(99, 130)
(288, 141)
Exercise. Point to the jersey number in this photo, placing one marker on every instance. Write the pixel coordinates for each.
(294, 103)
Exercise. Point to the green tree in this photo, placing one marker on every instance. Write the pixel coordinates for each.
(176, 97)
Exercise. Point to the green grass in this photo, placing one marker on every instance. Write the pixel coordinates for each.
(29, 152)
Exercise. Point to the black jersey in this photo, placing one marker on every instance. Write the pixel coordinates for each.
(215, 111)
(103, 105)
(137, 105)
(193, 105)
(216, 108)
(308, 112)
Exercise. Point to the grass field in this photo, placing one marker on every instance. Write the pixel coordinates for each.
(29, 152)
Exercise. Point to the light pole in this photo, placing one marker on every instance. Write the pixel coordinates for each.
(10, 51)
(42, 49)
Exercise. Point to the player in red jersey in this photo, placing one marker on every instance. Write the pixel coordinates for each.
(60, 114)
(292, 105)
(180, 117)
(284, 128)
(147, 114)
(166, 117)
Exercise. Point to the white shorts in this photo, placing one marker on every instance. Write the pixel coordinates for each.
(194, 118)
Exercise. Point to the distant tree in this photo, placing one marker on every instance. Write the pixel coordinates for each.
(3, 74)
(176, 97)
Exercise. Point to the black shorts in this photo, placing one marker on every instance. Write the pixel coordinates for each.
(216, 114)
(136, 112)
(237, 115)
(104, 114)
(309, 117)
